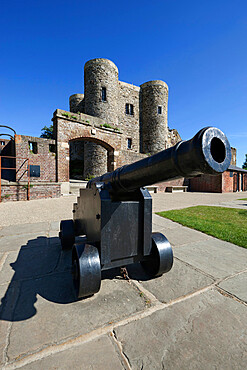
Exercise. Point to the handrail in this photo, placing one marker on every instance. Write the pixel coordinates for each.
(16, 171)
(12, 137)
(10, 128)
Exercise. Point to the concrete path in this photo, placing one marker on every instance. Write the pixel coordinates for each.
(194, 317)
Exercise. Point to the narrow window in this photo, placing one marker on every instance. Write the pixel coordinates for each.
(231, 174)
(2, 142)
(103, 93)
(159, 109)
(52, 148)
(129, 143)
(129, 109)
(33, 147)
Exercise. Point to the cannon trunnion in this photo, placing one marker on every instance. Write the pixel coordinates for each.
(115, 211)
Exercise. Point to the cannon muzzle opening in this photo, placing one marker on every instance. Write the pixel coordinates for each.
(216, 150)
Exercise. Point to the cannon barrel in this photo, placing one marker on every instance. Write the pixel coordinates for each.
(208, 152)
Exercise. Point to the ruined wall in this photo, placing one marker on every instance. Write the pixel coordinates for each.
(19, 191)
(45, 157)
(234, 156)
(173, 137)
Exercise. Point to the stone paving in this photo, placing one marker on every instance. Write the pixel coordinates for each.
(193, 317)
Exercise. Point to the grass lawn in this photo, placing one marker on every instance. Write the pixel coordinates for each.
(243, 199)
(229, 224)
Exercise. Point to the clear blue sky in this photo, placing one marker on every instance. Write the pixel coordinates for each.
(198, 47)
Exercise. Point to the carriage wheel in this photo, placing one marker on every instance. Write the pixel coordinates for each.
(86, 269)
(67, 234)
(161, 257)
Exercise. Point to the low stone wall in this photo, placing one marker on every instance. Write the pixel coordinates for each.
(14, 191)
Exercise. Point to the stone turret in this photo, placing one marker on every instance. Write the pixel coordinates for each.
(76, 103)
(101, 100)
(101, 90)
(154, 100)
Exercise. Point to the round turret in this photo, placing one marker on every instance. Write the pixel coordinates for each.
(154, 129)
(101, 90)
(76, 103)
(101, 100)
(95, 160)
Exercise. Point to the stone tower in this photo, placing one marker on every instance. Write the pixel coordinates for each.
(138, 113)
(154, 129)
(101, 90)
(76, 103)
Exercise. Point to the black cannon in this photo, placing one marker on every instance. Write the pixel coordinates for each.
(114, 212)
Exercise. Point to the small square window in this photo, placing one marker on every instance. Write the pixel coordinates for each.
(52, 148)
(159, 109)
(129, 143)
(103, 93)
(33, 147)
(2, 142)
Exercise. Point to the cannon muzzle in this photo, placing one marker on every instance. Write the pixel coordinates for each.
(208, 152)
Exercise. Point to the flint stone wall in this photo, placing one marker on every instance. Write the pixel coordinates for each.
(154, 94)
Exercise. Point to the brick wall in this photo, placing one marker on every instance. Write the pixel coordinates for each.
(227, 182)
(43, 158)
(69, 127)
(18, 191)
(206, 183)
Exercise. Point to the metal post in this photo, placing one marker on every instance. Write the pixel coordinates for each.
(28, 180)
(0, 179)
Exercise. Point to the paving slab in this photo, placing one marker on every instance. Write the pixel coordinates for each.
(180, 281)
(14, 243)
(54, 225)
(213, 256)
(39, 228)
(184, 235)
(2, 259)
(4, 327)
(46, 311)
(237, 286)
(207, 331)
(6, 271)
(164, 222)
(36, 258)
(98, 354)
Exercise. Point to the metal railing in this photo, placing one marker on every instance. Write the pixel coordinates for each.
(27, 170)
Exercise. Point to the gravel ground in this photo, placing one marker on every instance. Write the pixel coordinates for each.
(45, 210)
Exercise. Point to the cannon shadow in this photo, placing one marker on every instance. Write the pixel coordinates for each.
(42, 269)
